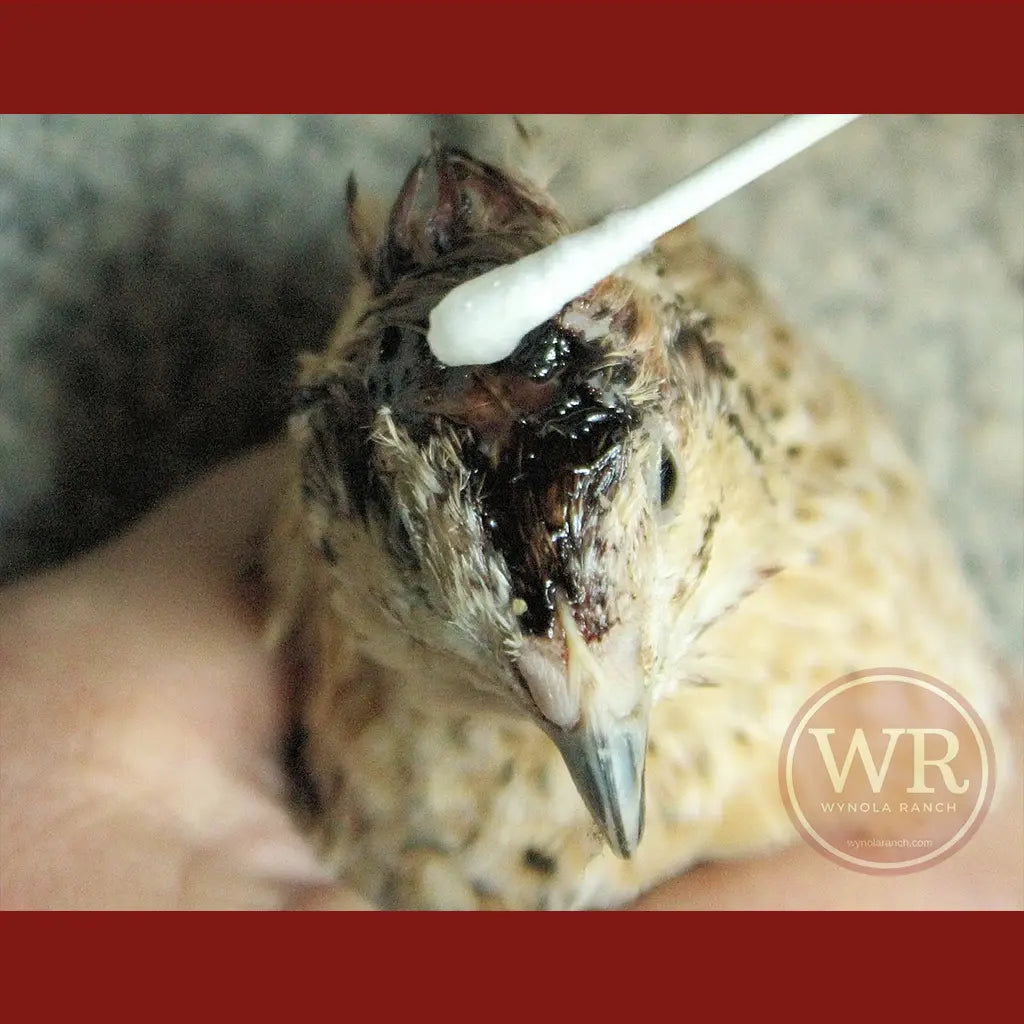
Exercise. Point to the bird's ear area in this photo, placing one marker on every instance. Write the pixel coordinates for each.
(447, 199)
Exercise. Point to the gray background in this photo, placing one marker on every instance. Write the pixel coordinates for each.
(157, 275)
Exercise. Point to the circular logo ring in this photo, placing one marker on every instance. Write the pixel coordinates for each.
(851, 779)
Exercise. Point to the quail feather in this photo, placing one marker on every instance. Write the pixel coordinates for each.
(558, 611)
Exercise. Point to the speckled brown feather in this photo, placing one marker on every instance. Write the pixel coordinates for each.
(799, 546)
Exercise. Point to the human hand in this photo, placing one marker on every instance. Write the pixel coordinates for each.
(142, 719)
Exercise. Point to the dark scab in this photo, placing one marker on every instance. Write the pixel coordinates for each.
(543, 434)
(541, 495)
(537, 860)
(542, 353)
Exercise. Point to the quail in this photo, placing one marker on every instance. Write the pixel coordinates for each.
(558, 611)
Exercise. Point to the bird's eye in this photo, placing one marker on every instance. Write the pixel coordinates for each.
(668, 477)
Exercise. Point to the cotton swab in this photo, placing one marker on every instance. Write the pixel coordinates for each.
(483, 320)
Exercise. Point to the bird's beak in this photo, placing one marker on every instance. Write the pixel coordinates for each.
(594, 700)
(606, 761)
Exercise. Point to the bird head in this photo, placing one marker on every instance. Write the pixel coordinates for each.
(501, 525)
